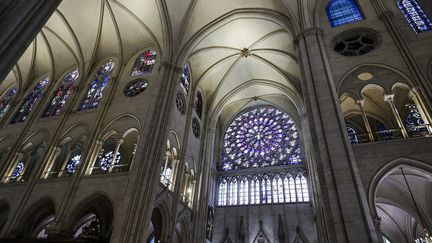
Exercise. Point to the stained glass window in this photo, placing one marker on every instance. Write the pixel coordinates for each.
(96, 87)
(261, 137)
(185, 79)
(263, 189)
(352, 134)
(383, 132)
(415, 16)
(30, 101)
(73, 163)
(341, 12)
(106, 160)
(198, 104)
(17, 171)
(6, 101)
(135, 87)
(144, 63)
(62, 94)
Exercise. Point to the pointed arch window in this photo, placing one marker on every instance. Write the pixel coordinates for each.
(6, 101)
(222, 192)
(352, 134)
(185, 79)
(62, 94)
(198, 104)
(96, 87)
(415, 15)
(17, 172)
(244, 191)
(341, 12)
(144, 63)
(232, 192)
(30, 101)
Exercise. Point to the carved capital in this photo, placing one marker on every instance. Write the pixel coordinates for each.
(389, 97)
(360, 102)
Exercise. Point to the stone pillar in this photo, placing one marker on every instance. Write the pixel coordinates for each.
(389, 99)
(55, 152)
(343, 214)
(93, 156)
(415, 96)
(20, 22)
(119, 142)
(360, 103)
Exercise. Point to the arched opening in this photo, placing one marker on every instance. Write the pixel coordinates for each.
(36, 219)
(93, 219)
(156, 227)
(402, 204)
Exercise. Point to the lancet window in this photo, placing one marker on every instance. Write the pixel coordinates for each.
(415, 15)
(62, 94)
(266, 138)
(185, 79)
(6, 101)
(341, 12)
(144, 63)
(30, 101)
(96, 87)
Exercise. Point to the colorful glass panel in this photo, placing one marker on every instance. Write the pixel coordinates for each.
(62, 94)
(106, 160)
(135, 87)
(185, 79)
(73, 163)
(352, 134)
(415, 15)
(17, 171)
(341, 12)
(144, 63)
(97, 86)
(261, 137)
(6, 101)
(30, 101)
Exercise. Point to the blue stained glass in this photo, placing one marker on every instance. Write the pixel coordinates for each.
(144, 63)
(97, 86)
(62, 94)
(106, 160)
(261, 137)
(352, 134)
(73, 163)
(6, 101)
(18, 171)
(341, 12)
(185, 79)
(30, 101)
(415, 16)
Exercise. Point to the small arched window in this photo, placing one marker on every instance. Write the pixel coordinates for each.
(341, 12)
(73, 161)
(144, 63)
(415, 15)
(30, 101)
(6, 101)
(62, 94)
(185, 79)
(352, 134)
(198, 104)
(222, 195)
(96, 87)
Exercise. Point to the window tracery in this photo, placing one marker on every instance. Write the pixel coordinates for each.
(415, 15)
(185, 79)
(72, 164)
(144, 63)
(6, 101)
(62, 94)
(341, 12)
(135, 87)
(96, 87)
(107, 159)
(30, 101)
(261, 137)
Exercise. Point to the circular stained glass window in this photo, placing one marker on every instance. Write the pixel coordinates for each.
(196, 128)
(260, 137)
(135, 87)
(180, 103)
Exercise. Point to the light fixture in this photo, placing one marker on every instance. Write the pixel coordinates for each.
(426, 238)
(365, 76)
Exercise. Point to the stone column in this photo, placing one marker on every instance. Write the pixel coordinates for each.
(415, 96)
(51, 161)
(343, 214)
(93, 156)
(119, 142)
(360, 103)
(20, 22)
(389, 99)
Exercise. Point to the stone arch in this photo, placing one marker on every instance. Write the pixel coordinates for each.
(34, 218)
(160, 221)
(99, 205)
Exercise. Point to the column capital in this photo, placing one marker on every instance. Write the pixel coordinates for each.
(119, 141)
(360, 102)
(307, 32)
(388, 97)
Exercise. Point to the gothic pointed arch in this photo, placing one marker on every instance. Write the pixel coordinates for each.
(261, 236)
(341, 12)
